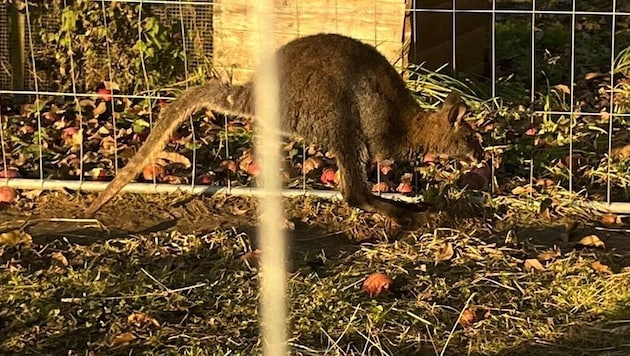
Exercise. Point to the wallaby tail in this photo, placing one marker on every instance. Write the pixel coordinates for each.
(214, 95)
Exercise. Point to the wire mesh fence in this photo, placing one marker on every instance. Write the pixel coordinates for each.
(551, 73)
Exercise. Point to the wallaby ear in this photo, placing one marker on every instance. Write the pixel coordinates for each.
(452, 99)
(456, 114)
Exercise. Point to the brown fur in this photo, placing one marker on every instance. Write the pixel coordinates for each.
(338, 92)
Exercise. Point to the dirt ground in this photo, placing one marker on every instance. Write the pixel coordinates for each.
(311, 223)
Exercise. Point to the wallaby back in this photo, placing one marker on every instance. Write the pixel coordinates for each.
(335, 91)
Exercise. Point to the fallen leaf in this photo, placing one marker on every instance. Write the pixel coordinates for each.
(32, 193)
(600, 267)
(153, 171)
(593, 75)
(386, 166)
(533, 263)
(99, 109)
(15, 237)
(328, 176)
(531, 132)
(238, 211)
(245, 160)
(468, 318)
(563, 88)
(381, 187)
(377, 283)
(123, 339)
(7, 195)
(545, 182)
(548, 255)
(142, 320)
(228, 165)
(59, 259)
(591, 241)
(311, 164)
(404, 188)
(610, 220)
(172, 179)
(429, 158)
(621, 152)
(444, 253)
(175, 158)
(523, 190)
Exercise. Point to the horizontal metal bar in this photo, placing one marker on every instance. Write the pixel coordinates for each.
(81, 95)
(581, 113)
(450, 11)
(523, 12)
(149, 188)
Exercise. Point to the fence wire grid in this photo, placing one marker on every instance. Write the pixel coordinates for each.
(191, 24)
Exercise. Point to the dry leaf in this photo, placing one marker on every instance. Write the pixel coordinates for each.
(533, 263)
(238, 211)
(545, 182)
(591, 241)
(153, 171)
(621, 152)
(523, 190)
(175, 158)
(142, 320)
(252, 258)
(600, 267)
(548, 255)
(593, 75)
(404, 188)
(386, 166)
(99, 109)
(228, 165)
(311, 164)
(245, 161)
(468, 318)
(381, 187)
(328, 176)
(444, 253)
(15, 237)
(59, 259)
(377, 283)
(123, 339)
(610, 220)
(563, 88)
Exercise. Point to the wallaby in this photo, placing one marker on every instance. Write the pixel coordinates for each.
(338, 92)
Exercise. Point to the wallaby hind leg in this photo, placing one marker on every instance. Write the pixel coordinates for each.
(354, 189)
(353, 183)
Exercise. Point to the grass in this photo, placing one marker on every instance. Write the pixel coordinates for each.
(174, 293)
(178, 275)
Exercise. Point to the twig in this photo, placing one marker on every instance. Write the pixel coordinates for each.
(98, 223)
(155, 280)
(152, 294)
(450, 335)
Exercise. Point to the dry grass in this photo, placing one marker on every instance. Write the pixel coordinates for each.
(69, 296)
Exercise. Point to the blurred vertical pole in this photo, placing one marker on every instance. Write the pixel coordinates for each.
(17, 23)
(273, 274)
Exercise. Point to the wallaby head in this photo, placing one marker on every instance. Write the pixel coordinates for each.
(445, 132)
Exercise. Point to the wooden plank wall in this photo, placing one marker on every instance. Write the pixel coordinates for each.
(433, 36)
(377, 22)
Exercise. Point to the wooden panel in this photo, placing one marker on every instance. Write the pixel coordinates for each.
(434, 33)
(377, 22)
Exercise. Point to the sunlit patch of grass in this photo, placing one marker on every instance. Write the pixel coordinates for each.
(204, 297)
